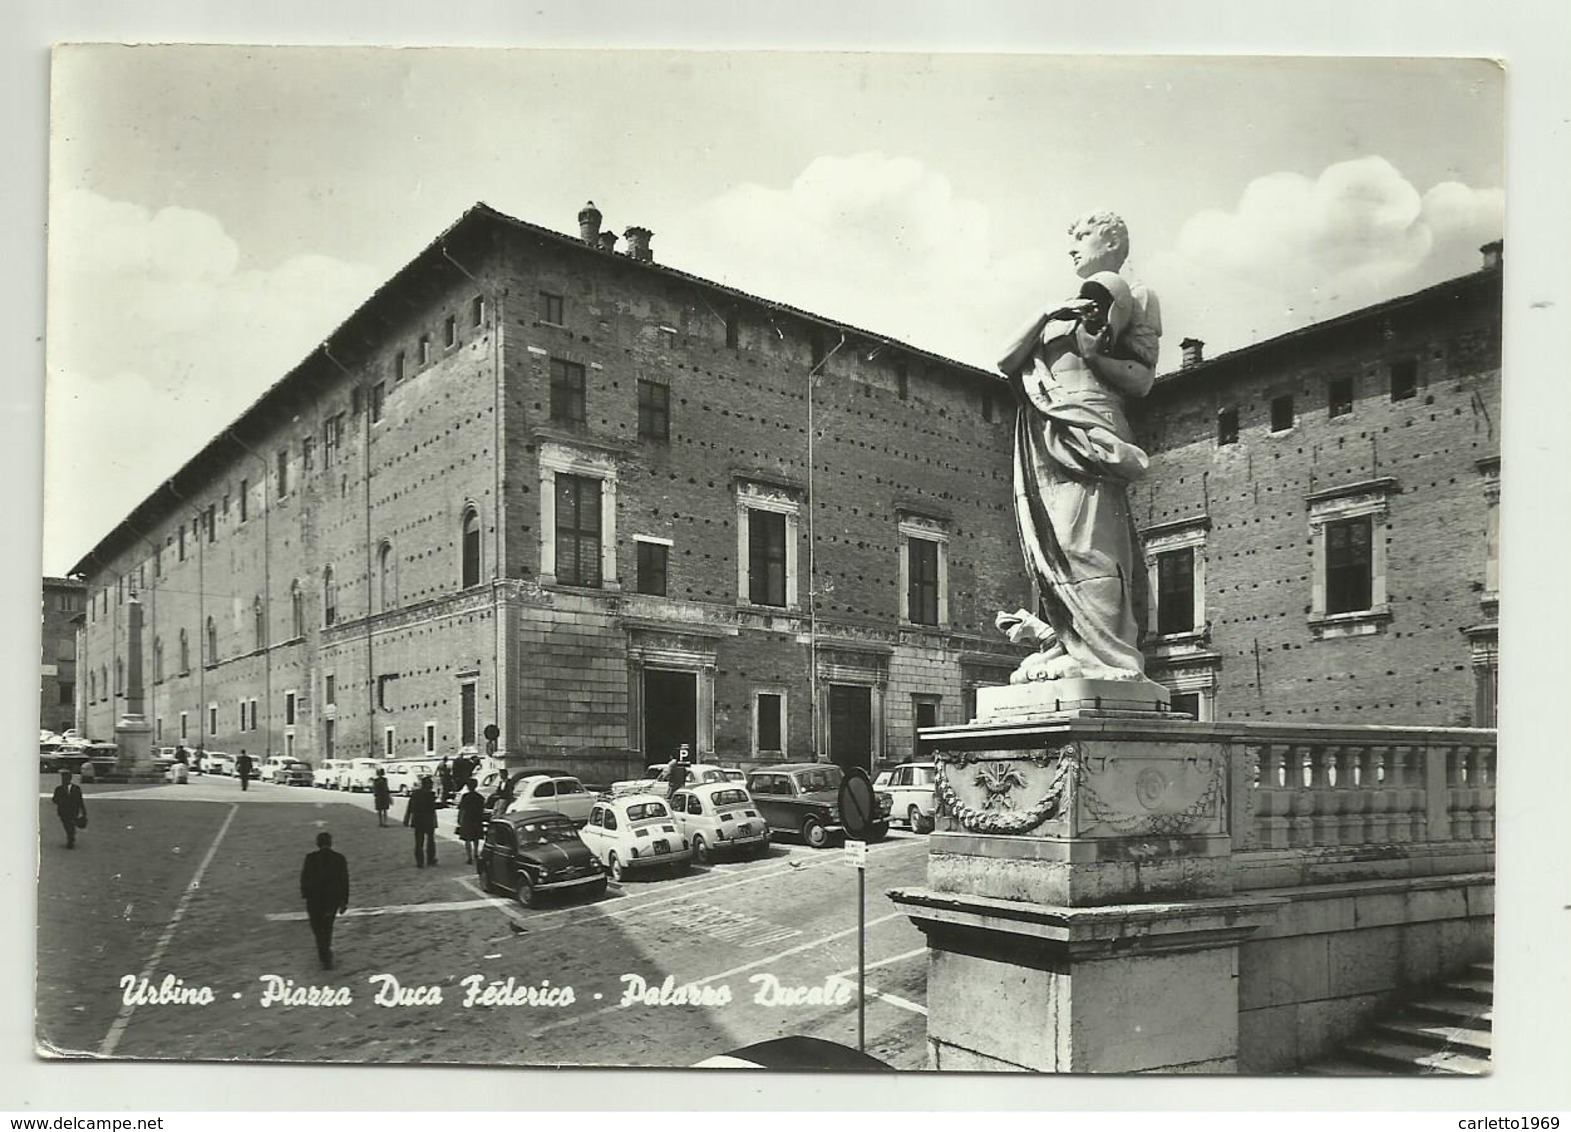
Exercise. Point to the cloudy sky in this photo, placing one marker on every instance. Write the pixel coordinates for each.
(215, 212)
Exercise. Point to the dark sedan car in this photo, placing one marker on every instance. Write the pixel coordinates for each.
(534, 853)
(804, 799)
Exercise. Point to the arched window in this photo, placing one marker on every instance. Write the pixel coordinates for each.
(185, 653)
(470, 568)
(212, 643)
(259, 619)
(329, 597)
(158, 659)
(296, 609)
(386, 579)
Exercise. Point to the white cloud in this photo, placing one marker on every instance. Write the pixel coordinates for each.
(1296, 250)
(158, 337)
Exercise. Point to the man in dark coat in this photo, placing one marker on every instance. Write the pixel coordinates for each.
(243, 767)
(462, 769)
(324, 885)
(71, 807)
(420, 815)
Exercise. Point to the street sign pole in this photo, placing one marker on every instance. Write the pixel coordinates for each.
(858, 812)
(861, 960)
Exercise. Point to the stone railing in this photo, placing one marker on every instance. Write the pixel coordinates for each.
(1384, 787)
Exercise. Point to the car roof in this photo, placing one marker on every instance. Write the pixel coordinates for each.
(524, 817)
(728, 784)
(788, 768)
(631, 796)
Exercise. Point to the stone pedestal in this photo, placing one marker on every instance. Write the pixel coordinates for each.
(134, 745)
(1078, 906)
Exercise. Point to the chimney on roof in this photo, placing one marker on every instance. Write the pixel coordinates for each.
(1194, 351)
(638, 244)
(589, 223)
(608, 240)
(1494, 254)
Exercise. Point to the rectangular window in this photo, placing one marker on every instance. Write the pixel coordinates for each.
(425, 349)
(450, 331)
(182, 542)
(652, 568)
(308, 453)
(733, 330)
(466, 714)
(477, 311)
(577, 531)
(332, 440)
(378, 398)
(1175, 591)
(567, 391)
(67, 692)
(289, 744)
(226, 507)
(1339, 396)
(400, 364)
(903, 381)
(210, 522)
(924, 710)
(382, 683)
(387, 742)
(289, 709)
(329, 738)
(430, 738)
(1349, 564)
(550, 308)
(245, 503)
(1404, 381)
(987, 405)
(1186, 702)
(1282, 413)
(1227, 426)
(283, 472)
(356, 400)
(329, 688)
(1486, 695)
(183, 732)
(654, 411)
(922, 581)
(769, 712)
(766, 563)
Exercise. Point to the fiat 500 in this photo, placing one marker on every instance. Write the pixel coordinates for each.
(720, 818)
(535, 853)
(635, 832)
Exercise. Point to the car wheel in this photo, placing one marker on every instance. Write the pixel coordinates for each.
(814, 834)
(700, 850)
(614, 867)
(920, 823)
(526, 891)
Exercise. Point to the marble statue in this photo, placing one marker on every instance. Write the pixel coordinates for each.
(1073, 367)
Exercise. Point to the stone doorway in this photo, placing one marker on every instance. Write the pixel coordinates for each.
(851, 725)
(670, 713)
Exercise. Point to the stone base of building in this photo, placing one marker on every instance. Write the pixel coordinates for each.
(1042, 699)
(1147, 988)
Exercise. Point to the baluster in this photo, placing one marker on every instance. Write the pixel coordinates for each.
(1272, 801)
(1327, 800)
(1300, 775)
(1350, 796)
(1405, 798)
(1456, 794)
(1374, 777)
(1484, 817)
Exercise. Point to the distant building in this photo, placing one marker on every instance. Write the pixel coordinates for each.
(64, 600)
(1321, 516)
(606, 505)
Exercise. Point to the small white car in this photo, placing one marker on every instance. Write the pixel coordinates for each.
(218, 762)
(404, 775)
(563, 794)
(720, 817)
(328, 774)
(358, 774)
(272, 768)
(910, 786)
(659, 777)
(633, 832)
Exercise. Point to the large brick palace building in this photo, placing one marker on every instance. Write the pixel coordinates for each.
(612, 507)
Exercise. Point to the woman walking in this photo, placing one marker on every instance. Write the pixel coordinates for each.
(471, 818)
(382, 793)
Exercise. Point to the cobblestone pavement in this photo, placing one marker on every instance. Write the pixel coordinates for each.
(199, 883)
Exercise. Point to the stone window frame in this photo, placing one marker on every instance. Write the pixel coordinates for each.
(428, 729)
(291, 707)
(781, 691)
(665, 571)
(1182, 534)
(389, 740)
(1199, 679)
(1350, 501)
(1489, 470)
(557, 459)
(912, 525)
(752, 495)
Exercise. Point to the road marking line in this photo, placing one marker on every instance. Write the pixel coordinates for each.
(122, 1019)
(912, 954)
(398, 909)
(874, 992)
(578, 1019)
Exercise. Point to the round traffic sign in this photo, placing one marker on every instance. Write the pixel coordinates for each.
(858, 807)
(491, 732)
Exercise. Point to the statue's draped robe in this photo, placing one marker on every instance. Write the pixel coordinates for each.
(1074, 459)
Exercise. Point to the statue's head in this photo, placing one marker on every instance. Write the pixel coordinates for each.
(1099, 241)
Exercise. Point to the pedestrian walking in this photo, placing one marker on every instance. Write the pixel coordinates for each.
(71, 807)
(382, 795)
(420, 815)
(324, 886)
(243, 767)
(471, 818)
(462, 770)
(444, 772)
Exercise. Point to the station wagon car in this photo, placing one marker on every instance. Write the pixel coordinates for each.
(534, 853)
(804, 799)
(719, 817)
(629, 832)
(910, 788)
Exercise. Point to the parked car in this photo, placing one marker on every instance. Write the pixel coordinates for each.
(217, 762)
(163, 757)
(658, 778)
(293, 773)
(562, 793)
(327, 775)
(910, 788)
(272, 767)
(634, 832)
(720, 817)
(359, 773)
(804, 799)
(735, 774)
(533, 853)
(499, 784)
(404, 775)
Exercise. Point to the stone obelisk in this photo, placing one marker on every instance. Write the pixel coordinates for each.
(133, 735)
